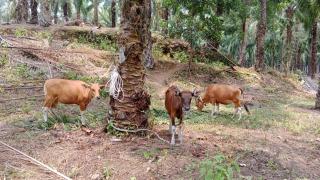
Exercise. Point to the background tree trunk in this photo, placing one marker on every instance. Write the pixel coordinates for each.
(21, 11)
(113, 13)
(34, 12)
(298, 59)
(313, 63)
(147, 51)
(78, 9)
(261, 32)
(45, 13)
(242, 51)
(165, 18)
(130, 112)
(66, 11)
(287, 58)
(317, 104)
(95, 12)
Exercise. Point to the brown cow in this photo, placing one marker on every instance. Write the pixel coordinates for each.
(222, 94)
(177, 102)
(69, 92)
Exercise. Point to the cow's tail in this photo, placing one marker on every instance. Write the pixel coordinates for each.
(244, 103)
(246, 108)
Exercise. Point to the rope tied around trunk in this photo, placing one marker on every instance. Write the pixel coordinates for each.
(110, 123)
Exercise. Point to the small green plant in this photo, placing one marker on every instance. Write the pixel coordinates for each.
(157, 52)
(106, 172)
(4, 59)
(181, 56)
(218, 168)
(22, 71)
(148, 154)
(20, 32)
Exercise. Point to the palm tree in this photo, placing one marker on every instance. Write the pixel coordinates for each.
(66, 6)
(78, 4)
(287, 59)
(147, 51)
(244, 17)
(261, 32)
(45, 14)
(21, 11)
(34, 12)
(309, 14)
(131, 110)
(95, 12)
(113, 13)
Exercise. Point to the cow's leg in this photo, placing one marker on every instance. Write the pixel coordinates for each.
(46, 105)
(82, 109)
(173, 132)
(217, 104)
(181, 132)
(213, 112)
(170, 126)
(240, 113)
(237, 109)
(173, 140)
(45, 113)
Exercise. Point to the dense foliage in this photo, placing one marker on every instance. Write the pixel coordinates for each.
(290, 43)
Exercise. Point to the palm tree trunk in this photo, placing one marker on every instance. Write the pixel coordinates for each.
(21, 11)
(261, 32)
(45, 14)
(299, 64)
(317, 104)
(313, 63)
(113, 13)
(95, 12)
(65, 11)
(34, 12)
(287, 58)
(131, 110)
(55, 16)
(147, 51)
(243, 46)
(78, 9)
(165, 18)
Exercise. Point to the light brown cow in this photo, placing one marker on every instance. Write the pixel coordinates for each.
(222, 94)
(177, 102)
(69, 92)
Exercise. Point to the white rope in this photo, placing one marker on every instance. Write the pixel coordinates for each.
(38, 162)
(115, 84)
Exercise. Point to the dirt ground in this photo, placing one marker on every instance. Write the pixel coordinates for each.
(262, 153)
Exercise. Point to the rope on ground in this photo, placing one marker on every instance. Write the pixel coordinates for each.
(137, 130)
(36, 161)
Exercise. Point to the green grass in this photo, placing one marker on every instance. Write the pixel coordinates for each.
(277, 112)
(20, 32)
(98, 42)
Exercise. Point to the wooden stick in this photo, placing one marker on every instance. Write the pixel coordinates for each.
(38, 162)
(231, 61)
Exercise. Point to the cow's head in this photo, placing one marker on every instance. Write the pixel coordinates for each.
(186, 97)
(199, 103)
(94, 90)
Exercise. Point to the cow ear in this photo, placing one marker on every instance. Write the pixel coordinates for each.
(102, 86)
(196, 93)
